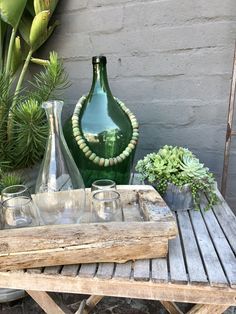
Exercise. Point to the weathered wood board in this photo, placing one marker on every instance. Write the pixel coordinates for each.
(148, 226)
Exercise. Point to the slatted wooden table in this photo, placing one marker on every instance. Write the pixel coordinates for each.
(200, 268)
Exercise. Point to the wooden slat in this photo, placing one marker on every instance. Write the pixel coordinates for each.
(171, 307)
(142, 270)
(159, 270)
(87, 270)
(212, 264)
(176, 262)
(123, 288)
(70, 270)
(35, 270)
(105, 270)
(222, 246)
(227, 220)
(52, 270)
(123, 271)
(45, 302)
(194, 263)
(208, 309)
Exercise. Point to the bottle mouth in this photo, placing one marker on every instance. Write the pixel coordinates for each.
(99, 59)
(52, 104)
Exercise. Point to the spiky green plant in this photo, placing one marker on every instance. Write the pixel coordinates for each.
(24, 27)
(27, 121)
(179, 166)
(9, 179)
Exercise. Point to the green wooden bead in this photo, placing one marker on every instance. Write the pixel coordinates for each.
(132, 146)
(92, 157)
(88, 153)
(101, 161)
(78, 138)
(135, 134)
(82, 145)
(96, 160)
(111, 161)
(106, 163)
(125, 153)
(119, 159)
(128, 150)
(80, 141)
(85, 149)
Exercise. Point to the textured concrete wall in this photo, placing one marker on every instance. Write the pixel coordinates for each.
(169, 60)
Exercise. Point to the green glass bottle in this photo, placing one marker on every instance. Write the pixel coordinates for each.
(102, 133)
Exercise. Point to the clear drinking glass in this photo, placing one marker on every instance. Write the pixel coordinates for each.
(15, 191)
(19, 212)
(103, 184)
(106, 206)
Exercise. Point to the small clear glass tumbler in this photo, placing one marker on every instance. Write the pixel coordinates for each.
(19, 212)
(103, 184)
(106, 206)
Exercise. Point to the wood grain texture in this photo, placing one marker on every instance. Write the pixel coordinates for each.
(211, 261)
(224, 250)
(122, 288)
(194, 263)
(171, 307)
(208, 309)
(227, 220)
(178, 271)
(94, 242)
(45, 302)
(159, 270)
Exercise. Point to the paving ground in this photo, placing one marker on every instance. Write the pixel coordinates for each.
(107, 306)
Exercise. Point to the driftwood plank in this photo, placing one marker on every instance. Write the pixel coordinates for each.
(194, 263)
(159, 270)
(90, 243)
(142, 270)
(176, 262)
(227, 220)
(73, 244)
(87, 270)
(213, 267)
(222, 246)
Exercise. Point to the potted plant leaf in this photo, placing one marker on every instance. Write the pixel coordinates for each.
(179, 177)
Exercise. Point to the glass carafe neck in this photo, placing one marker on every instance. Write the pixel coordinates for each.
(53, 111)
(100, 82)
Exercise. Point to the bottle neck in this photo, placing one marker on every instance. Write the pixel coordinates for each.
(53, 110)
(100, 81)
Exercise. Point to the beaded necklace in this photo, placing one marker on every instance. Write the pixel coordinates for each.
(104, 162)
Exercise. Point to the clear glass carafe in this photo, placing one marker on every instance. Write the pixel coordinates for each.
(59, 176)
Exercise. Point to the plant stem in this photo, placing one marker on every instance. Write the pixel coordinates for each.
(17, 90)
(10, 50)
(21, 77)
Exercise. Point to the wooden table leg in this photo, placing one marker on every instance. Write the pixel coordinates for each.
(208, 309)
(171, 307)
(88, 305)
(45, 302)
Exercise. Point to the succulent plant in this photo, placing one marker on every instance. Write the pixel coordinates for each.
(179, 166)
